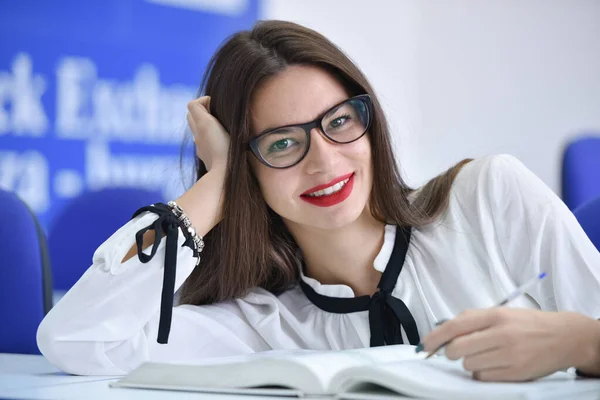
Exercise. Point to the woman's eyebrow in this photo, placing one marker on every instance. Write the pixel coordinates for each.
(331, 108)
(282, 128)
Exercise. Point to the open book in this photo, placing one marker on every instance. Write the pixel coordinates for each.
(375, 373)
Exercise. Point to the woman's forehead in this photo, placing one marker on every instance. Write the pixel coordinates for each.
(298, 94)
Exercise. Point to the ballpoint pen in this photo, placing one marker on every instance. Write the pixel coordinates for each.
(518, 292)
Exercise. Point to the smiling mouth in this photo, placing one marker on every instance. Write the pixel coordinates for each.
(329, 190)
(330, 194)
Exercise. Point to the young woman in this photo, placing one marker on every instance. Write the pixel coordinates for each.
(312, 240)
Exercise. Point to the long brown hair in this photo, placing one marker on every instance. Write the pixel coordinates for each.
(251, 246)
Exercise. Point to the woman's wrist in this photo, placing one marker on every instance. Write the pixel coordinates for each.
(203, 202)
(587, 346)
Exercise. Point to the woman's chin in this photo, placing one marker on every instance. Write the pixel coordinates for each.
(333, 220)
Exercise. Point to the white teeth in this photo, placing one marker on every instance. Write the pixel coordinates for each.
(329, 190)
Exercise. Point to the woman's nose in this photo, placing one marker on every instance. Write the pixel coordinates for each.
(321, 155)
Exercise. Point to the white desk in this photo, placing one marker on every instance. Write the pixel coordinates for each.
(20, 372)
(32, 377)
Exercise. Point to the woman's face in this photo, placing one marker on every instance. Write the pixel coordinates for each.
(301, 194)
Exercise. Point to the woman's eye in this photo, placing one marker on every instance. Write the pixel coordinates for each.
(281, 145)
(339, 121)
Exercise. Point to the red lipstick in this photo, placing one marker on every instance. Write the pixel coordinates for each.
(329, 200)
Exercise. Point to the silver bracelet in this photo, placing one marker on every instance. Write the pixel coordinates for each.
(187, 225)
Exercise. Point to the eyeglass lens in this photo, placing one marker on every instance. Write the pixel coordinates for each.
(342, 124)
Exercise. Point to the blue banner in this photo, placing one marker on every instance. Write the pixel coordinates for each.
(93, 94)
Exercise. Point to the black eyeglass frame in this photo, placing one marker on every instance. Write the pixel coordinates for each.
(309, 126)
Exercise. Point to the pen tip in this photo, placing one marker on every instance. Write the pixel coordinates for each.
(543, 274)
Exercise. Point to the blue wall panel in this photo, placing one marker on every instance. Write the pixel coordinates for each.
(93, 93)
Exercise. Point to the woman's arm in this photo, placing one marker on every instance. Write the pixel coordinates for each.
(108, 322)
(536, 233)
(203, 202)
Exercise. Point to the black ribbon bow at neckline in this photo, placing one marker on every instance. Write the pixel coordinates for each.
(387, 314)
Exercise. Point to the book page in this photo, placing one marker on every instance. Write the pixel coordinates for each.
(263, 373)
(442, 378)
(326, 364)
(305, 370)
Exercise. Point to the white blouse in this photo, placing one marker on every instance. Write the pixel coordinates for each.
(503, 227)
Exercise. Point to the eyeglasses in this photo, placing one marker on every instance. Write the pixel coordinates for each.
(286, 146)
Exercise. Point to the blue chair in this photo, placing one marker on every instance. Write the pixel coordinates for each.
(25, 277)
(588, 216)
(581, 170)
(84, 224)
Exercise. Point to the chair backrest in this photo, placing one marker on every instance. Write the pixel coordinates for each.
(588, 216)
(25, 277)
(85, 223)
(581, 170)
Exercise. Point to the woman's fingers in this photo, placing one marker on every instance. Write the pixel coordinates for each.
(191, 123)
(465, 323)
(198, 108)
(210, 138)
(488, 359)
(205, 102)
(475, 343)
(197, 116)
(502, 375)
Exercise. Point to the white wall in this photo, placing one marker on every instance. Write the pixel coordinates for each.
(464, 78)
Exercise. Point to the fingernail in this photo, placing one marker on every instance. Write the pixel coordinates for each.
(419, 348)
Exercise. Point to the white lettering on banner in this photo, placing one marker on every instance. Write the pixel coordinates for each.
(141, 110)
(21, 109)
(96, 110)
(153, 172)
(70, 95)
(5, 95)
(27, 175)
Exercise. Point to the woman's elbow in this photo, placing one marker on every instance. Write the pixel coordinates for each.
(74, 357)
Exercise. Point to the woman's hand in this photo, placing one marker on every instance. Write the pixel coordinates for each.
(210, 138)
(507, 344)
